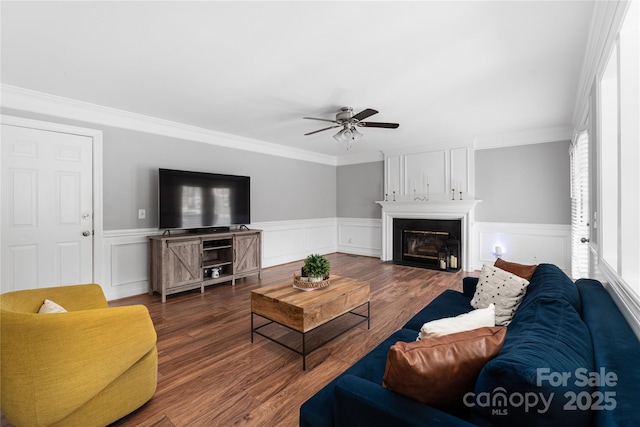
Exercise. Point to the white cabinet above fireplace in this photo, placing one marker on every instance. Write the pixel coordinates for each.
(436, 173)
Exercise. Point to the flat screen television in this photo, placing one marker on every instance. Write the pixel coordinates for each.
(200, 200)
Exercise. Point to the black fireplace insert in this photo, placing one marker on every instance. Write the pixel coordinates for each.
(428, 243)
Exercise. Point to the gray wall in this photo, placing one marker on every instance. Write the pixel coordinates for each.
(358, 187)
(524, 184)
(281, 189)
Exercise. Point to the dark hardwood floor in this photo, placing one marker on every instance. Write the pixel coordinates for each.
(210, 374)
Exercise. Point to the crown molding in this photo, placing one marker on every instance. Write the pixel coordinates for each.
(534, 136)
(18, 98)
(606, 21)
(353, 159)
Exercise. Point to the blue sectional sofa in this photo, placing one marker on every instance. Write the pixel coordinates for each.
(569, 359)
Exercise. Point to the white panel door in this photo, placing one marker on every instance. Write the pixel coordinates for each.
(47, 218)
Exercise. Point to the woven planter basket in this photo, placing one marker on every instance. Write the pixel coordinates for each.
(298, 283)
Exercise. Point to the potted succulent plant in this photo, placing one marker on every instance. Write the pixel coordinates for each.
(316, 268)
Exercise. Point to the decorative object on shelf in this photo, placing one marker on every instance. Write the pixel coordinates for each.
(386, 197)
(453, 194)
(420, 199)
(316, 267)
(394, 196)
(315, 273)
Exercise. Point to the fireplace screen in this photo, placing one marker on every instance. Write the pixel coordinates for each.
(435, 249)
(422, 245)
(427, 243)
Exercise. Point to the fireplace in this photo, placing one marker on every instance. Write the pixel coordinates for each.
(428, 243)
(461, 211)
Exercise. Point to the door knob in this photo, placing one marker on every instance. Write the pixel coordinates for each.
(584, 240)
(86, 233)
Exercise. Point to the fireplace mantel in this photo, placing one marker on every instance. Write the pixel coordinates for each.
(437, 209)
(457, 208)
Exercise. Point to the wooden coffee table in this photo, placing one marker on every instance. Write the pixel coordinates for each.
(303, 311)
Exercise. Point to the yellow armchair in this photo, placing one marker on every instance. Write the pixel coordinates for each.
(87, 367)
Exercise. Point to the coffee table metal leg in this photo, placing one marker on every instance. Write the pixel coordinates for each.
(304, 352)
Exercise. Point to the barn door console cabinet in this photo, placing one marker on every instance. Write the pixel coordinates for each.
(190, 261)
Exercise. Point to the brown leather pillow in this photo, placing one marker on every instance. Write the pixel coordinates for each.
(521, 270)
(439, 371)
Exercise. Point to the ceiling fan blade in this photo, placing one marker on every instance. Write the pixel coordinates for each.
(364, 114)
(379, 125)
(320, 130)
(324, 120)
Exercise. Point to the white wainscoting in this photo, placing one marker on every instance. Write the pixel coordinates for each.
(125, 258)
(287, 241)
(125, 262)
(125, 252)
(360, 236)
(523, 243)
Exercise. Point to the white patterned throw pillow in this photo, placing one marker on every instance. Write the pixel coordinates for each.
(499, 287)
(482, 317)
(49, 306)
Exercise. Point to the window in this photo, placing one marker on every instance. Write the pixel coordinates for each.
(579, 205)
(619, 167)
(609, 161)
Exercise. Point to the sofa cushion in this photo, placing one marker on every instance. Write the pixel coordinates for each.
(524, 271)
(448, 304)
(549, 280)
(439, 371)
(362, 403)
(479, 318)
(504, 289)
(616, 352)
(318, 411)
(548, 342)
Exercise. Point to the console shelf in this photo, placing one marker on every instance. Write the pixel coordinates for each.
(190, 261)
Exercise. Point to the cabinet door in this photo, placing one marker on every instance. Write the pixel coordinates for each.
(182, 263)
(247, 253)
(426, 168)
(460, 171)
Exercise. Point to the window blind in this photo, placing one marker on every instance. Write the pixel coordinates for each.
(579, 155)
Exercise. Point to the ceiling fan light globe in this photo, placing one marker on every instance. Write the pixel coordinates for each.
(356, 135)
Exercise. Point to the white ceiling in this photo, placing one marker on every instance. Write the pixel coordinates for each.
(444, 70)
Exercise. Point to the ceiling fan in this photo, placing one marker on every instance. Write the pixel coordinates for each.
(349, 122)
